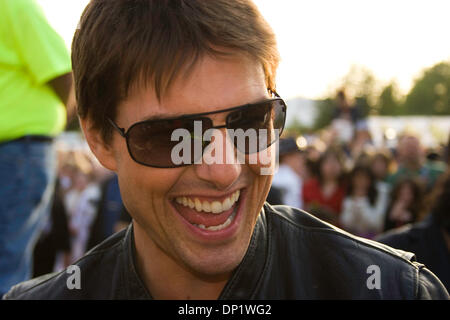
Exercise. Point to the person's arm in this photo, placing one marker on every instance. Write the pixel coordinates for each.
(42, 50)
(63, 87)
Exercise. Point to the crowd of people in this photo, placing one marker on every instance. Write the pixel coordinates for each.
(374, 193)
(378, 191)
(87, 208)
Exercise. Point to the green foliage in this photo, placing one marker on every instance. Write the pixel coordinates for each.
(388, 103)
(360, 83)
(430, 94)
(364, 106)
(324, 115)
(296, 128)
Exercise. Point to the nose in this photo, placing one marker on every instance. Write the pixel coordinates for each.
(219, 165)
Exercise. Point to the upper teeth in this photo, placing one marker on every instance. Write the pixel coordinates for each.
(206, 206)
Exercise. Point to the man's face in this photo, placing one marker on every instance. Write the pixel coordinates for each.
(409, 149)
(158, 199)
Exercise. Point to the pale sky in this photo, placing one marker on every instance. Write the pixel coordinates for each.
(319, 40)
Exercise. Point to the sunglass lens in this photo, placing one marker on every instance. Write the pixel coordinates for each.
(155, 143)
(258, 126)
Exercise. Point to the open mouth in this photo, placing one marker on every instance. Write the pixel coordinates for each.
(209, 215)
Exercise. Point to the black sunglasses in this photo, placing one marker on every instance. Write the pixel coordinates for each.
(150, 142)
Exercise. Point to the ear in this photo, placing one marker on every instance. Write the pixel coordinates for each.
(103, 152)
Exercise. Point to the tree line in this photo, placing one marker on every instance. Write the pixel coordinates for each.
(429, 95)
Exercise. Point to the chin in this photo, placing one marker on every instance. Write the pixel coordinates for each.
(216, 264)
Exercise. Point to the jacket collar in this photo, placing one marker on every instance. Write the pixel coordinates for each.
(243, 283)
(245, 280)
(134, 286)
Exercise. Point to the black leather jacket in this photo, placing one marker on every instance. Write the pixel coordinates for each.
(292, 255)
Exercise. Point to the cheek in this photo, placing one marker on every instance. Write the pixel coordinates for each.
(265, 162)
(260, 187)
(144, 189)
(260, 168)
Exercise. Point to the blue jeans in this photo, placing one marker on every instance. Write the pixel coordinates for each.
(27, 175)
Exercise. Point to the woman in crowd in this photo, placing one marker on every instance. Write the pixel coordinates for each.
(365, 206)
(406, 203)
(380, 165)
(323, 195)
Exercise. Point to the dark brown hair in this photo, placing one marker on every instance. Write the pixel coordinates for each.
(440, 204)
(416, 207)
(337, 153)
(125, 43)
(372, 192)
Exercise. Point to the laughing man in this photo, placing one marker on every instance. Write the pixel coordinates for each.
(144, 68)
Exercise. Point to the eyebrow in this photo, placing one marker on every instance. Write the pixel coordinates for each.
(193, 115)
(162, 117)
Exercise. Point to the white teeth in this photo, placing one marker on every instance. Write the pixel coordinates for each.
(215, 207)
(198, 205)
(206, 206)
(219, 227)
(227, 204)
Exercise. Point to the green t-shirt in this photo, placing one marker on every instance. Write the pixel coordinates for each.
(31, 54)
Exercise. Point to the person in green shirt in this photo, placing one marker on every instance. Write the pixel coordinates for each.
(412, 164)
(35, 85)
